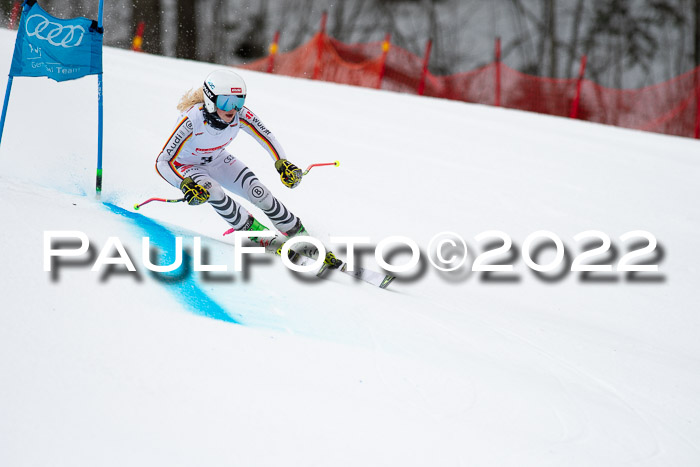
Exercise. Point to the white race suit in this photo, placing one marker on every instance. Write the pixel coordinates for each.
(195, 149)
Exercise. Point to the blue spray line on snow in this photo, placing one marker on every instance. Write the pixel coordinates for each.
(185, 288)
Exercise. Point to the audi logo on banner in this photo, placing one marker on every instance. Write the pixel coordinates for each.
(59, 35)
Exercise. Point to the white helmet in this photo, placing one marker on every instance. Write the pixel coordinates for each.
(224, 89)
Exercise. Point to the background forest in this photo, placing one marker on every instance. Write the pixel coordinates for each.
(629, 43)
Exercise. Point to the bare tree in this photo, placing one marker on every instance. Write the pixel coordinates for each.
(522, 41)
(254, 41)
(629, 42)
(550, 33)
(346, 18)
(696, 46)
(572, 47)
(186, 30)
(299, 23)
(624, 36)
(6, 10)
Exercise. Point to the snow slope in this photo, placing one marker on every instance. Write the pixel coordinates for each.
(268, 367)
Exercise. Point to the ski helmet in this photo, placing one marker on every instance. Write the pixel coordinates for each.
(224, 89)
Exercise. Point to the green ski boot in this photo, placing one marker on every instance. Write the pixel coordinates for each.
(254, 226)
(271, 244)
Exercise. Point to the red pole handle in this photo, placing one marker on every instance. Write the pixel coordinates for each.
(162, 200)
(336, 164)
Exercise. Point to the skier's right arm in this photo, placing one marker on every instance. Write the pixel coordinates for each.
(166, 163)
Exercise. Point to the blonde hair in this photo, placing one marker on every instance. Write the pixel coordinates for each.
(192, 97)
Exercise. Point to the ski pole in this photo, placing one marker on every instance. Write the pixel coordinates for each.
(336, 164)
(162, 200)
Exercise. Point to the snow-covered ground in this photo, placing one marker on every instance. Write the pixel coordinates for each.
(268, 367)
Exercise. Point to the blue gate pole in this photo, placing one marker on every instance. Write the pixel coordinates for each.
(98, 185)
(100, 121)
(4, 106)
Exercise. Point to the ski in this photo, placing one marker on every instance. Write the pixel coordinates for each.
(379, 279)
(375, 278)
(273, 245)
(304, 256)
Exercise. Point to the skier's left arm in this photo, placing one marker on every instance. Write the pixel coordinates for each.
(290, 174)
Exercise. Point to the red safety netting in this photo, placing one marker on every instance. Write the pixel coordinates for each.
(671, 107)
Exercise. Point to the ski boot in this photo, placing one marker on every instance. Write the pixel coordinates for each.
(331, 261)
(298, 229)
(271, 244)
(308, 249)
(252, 225)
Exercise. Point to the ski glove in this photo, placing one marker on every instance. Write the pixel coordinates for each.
(290, 174)
(194, 194)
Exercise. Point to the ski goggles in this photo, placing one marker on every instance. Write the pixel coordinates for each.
(229, 102)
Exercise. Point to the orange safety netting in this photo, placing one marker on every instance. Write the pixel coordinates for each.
(672, 107)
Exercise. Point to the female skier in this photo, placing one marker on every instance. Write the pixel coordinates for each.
(195, 159)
